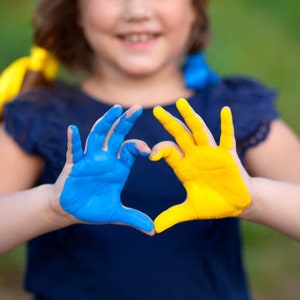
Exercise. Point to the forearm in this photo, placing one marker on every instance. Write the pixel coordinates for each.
(275, 204)
(27, 214)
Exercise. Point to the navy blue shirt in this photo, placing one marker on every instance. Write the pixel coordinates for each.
(192, 260)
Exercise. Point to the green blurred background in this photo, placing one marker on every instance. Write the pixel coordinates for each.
(260, 38)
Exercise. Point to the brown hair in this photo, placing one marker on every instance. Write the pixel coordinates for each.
(55, 28)
(200, 34)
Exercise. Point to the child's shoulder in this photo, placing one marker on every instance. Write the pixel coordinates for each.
(55, 91)
(55, 95)
(241, 91)
(246, 85)
(253, 103)
(32, 106)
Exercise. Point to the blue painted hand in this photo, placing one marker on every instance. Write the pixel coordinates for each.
(92, 190)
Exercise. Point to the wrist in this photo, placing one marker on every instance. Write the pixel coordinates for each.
(55, 214)
(251, 213)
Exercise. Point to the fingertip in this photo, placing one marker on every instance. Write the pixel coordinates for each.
(144, 153)
(158, 224)
(139, 112)
(141, 146)
(227, 140)
(149, 233)
(73, 131)
(103, 123)
(226, 113)
(152, 233)
(158, 111)
(155, 156)
(69, 132)
(150, 230)
(185, 109)
(135, 110)
(130, 150)
(157, 231)
(113, 113)
(140, 221)
(158, 228)
(71, 127)
(225, 109)
(117, 108)
(181, 102)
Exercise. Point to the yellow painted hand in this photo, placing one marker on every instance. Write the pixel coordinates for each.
(210, 173)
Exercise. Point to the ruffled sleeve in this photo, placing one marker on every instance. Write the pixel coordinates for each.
(253, 109)
(23, 121)
(36, 121)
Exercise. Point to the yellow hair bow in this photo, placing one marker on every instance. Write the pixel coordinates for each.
(210, 173)
(11, 79)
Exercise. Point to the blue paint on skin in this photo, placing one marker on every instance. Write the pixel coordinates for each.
(93, 189)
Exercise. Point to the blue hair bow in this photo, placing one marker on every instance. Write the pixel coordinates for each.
(197, 73)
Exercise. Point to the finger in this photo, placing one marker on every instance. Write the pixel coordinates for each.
(123, 125)
(74, 152)
(132, 149)
(227, 140)
(169, 151)
(101, 127)
(194, 122)
(175, 127)
(176, 214)
(134, 218)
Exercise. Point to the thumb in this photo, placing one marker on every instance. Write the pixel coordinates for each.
(134, 218)
(169, 151)
(131, 149)
(75, 152)
(176, 214)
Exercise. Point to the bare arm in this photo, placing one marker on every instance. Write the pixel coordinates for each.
(217, 184)
(19, 170)
(275, 194)
(276, 200)
(27, 214)
(88, 189)
(275, 204)
(278, 157)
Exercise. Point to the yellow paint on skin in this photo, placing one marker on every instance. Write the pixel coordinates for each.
(215, 188)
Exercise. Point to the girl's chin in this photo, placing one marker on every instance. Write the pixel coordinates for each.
(140, 72)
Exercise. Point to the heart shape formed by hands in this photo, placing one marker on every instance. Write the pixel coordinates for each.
(211, 174)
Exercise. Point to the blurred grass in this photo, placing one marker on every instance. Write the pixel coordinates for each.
(15, 31)
(259, 38)
(250, 39)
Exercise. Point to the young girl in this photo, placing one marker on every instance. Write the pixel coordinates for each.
(73, 199)
(130, 52)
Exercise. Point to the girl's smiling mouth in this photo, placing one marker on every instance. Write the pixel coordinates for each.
(138, 40)
(137, 37)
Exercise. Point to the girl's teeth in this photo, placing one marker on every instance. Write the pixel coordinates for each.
(137, 37)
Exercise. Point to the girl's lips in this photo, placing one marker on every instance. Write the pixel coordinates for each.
(138, 41)
(137, 37)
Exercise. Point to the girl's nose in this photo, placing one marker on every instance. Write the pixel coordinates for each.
(137, 10)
